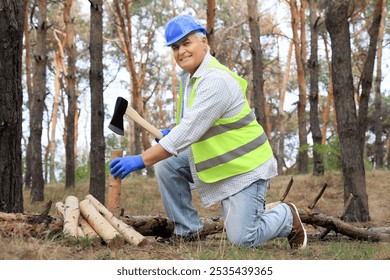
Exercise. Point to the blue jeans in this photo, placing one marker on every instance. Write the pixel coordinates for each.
(247, 223)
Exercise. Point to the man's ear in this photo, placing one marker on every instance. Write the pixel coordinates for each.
(205, 42)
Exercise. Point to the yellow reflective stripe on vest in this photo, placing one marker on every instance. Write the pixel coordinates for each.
(232, 155)
(221, 128)
(178, 109)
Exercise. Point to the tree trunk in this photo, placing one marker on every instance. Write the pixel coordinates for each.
(211, 7)
(97, 151)
(318, 163)
(352, 161)
(388, 150)
(368, 73)
(70, 176)
(302, 153)
(378, 128)
(37, 104)
(57, 66)
(27, 47)
(281, 114)
(329, 99)
(258, 100)
(11, 99)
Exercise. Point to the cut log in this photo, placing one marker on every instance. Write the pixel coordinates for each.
(114, 188)
(88, 230)
(61, 210)
(105, 230)
(84, 227)
(132, 236)
(71, 216)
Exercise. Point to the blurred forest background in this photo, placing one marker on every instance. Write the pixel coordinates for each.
(318, 73)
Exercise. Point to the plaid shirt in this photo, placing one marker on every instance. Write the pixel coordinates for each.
(218, 95)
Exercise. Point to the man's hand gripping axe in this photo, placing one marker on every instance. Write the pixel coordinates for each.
(122, 109)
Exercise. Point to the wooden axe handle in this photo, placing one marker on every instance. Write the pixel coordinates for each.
(133, 114)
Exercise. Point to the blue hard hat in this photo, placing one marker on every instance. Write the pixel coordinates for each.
(180, 26)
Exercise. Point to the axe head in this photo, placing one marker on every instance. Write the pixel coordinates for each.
(116, 124)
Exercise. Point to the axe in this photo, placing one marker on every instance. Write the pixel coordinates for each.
(122, 109)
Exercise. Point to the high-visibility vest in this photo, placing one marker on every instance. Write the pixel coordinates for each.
(231, 146)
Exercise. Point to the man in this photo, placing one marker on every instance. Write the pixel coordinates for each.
(218, 146)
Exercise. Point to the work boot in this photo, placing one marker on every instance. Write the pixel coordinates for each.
(298, 237)
(193, 237)
(179, 239)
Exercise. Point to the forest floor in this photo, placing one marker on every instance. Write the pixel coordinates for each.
(140, 196)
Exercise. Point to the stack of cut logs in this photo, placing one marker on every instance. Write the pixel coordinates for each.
(90, 218)
(93, 220)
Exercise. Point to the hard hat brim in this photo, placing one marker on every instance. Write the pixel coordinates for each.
(178, 38)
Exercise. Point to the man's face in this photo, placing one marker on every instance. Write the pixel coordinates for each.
(190, 52)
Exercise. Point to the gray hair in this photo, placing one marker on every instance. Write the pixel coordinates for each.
(198, 34)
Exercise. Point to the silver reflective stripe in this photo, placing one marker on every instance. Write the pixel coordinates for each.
(219, 129)
(236, 153)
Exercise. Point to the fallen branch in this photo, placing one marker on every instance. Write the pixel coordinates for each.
(162, 227)
(311, 206)
(349, 201)
(338, 226)
(159, 226)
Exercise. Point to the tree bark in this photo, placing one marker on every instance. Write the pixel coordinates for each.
(258, 100)
(352, 161)
(11, 99)
(27, 47)
(37, 104)
(211, 7)
(70, 176)
(57, 88)
(378, 116)
(97, 149)
(318, 163)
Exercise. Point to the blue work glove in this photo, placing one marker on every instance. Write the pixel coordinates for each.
(124, 165)
(164, 133)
